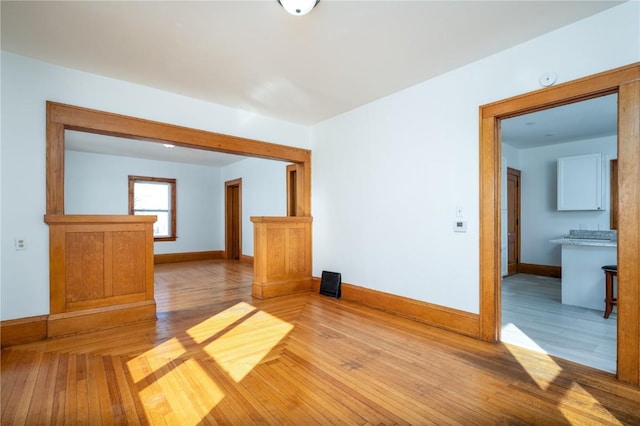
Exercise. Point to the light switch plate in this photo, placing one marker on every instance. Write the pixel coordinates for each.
(460, 225)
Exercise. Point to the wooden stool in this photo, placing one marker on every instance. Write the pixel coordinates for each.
(610, 271)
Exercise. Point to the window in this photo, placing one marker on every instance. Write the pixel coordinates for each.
(155, 196)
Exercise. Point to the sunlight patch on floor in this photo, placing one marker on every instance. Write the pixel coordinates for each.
(578, 393)
(167, 351)
(237, 339)
(542, 376)
(165, 401)
(243, 347)
(217, 323)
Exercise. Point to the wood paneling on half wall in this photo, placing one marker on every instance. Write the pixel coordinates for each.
(282, 250)
(100, 273)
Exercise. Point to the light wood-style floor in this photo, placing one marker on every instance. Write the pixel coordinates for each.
(217, 356)
(534, 317)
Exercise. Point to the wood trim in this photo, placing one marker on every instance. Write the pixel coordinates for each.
(23, 330)
(593, 86)
(517, 175)
(625, 82)
(271, 289)
(291, 177)
(246, 259)
(490, 268)
(295, 189)
(100, 318)
(188, 256)
(435, 315)
(613, 194)
(63, 116)
(106, 123)
(542, 270)
(281, 219)
(629, 232)
(54, 164)
(229, 215)
(96, 219)
(173, 212)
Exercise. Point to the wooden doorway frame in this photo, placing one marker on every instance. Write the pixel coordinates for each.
(516, 212)
(229, 216)
(295, 179)
(62, 116)
(624, 81)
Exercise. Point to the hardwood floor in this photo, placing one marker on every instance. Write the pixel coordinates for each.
(534, 317)
(217, 356)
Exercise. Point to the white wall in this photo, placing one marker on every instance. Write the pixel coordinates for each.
(264, 192)
(512, 155)
(98, 184)
(26, 86)
(387, 177)
(540, 219)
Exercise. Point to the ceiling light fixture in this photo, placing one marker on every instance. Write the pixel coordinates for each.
(298, 7)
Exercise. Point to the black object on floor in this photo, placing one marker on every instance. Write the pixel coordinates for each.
(330, 284)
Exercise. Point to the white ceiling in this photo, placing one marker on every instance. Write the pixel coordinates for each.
(111, 145)
(254, 56)
(574, 122)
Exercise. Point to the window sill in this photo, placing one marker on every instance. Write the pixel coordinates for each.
(157, 239)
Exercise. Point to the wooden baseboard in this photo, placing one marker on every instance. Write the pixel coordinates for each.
(246, 259)
(23, 330)
(542, 270)
(100, 318)
(188, 257)
(439, 316)
(280, 288)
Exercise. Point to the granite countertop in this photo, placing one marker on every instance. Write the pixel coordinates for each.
(589, 238)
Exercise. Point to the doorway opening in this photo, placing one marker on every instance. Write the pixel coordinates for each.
(233, 219)
(292, 181)
(540, 308)
(513, 221)
(625, 82)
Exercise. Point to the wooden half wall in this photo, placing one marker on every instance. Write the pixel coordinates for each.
(100, 272)
(282, 256)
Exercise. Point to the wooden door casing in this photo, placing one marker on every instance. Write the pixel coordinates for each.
(233, 219)
(625, 81)
(513, 220)
(613, 194)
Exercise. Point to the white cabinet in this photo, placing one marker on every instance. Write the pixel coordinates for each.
(580, 182)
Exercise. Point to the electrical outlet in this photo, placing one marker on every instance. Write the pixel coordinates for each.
(21, 243)
(459, 211)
